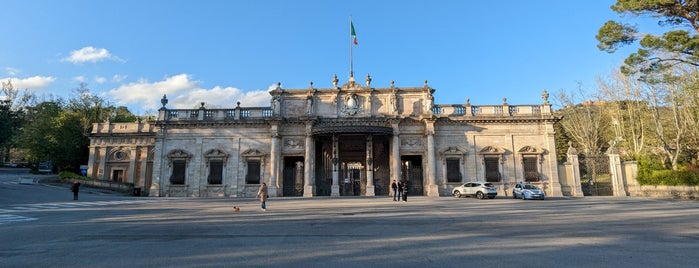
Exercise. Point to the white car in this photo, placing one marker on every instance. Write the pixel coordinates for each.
(478, 189)
(527, 191)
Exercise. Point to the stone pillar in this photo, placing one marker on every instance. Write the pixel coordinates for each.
(335, 188)
(91, 162)
(616, 173)
(309, 178)
(573, 168)
(159, 165)
(432, 186)
(370, 166)
(144, 166)
(101, 172)
(274, 158)
(130, 175)
(395, 155)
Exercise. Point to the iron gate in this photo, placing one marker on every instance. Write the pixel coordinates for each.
(595, 178)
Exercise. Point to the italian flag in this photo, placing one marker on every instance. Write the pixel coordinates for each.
(353, 34)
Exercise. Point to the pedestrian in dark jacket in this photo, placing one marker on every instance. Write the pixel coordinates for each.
(75, 189)
(404, 188)
(396, 190)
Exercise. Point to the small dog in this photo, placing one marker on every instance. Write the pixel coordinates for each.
(236, 209)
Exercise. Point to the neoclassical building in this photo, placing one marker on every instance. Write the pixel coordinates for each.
(346, 140)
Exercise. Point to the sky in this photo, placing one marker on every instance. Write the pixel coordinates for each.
(132, 52)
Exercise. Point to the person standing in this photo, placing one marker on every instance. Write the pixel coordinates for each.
(404, 188)
(75, 189)
(262, 195)
(394, 186)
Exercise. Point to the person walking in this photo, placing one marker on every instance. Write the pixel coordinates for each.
(404, 188)
(262, 195)
(75, 189)
(396, 191)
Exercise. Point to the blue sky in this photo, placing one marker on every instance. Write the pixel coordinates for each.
(220, 52)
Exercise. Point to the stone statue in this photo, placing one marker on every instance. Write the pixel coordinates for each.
(309, 105)
(276, 103)
(393, 102)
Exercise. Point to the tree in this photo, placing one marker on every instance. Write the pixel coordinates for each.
(584, 123)
(12, 102)
(39, 135)
(656, 52)
(91, 108)
(628, 109)
(123, 115)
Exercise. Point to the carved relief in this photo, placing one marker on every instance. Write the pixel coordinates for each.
(351, 104)
(216, 154)
(411, 142)
(252, 153)
(293, 143)
(119, 154)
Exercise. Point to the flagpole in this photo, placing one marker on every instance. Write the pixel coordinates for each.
(351, 44)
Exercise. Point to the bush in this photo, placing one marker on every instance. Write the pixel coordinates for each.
(669, 177)
(66, 175)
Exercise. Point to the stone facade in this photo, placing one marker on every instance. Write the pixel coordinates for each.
(352, 139)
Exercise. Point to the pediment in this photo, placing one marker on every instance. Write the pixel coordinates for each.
(252, 153)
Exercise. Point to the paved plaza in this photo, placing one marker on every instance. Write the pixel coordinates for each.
(103, 230)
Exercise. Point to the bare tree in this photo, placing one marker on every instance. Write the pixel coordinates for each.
(583, 121)
(627, 108)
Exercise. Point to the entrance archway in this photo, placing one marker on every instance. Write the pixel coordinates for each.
(292, 176)
(411, 171)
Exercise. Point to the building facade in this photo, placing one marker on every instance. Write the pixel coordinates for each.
(346, 140)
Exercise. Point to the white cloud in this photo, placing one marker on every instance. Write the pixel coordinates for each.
(31, 83)
(100, 80)
(118, 78)
(79, 79)
(183, 93)
(90, 54)
(11, 71)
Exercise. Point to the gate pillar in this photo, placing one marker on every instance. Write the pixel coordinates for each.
(573, 168)
(616, 173)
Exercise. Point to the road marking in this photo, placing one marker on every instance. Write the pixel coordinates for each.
(48, 206)
(8, 218)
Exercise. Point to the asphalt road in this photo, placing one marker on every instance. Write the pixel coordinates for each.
(41, 226)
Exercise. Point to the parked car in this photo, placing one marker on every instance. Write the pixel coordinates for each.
(478, 189)
(527, 191)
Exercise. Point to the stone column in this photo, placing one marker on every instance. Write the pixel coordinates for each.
(308, 176)
(144, 167)
(274, 157)
(370, 166)
(395, 155)
(335, 188)
(101, 172)
(432, 186)
(130, 175)
(91, 161)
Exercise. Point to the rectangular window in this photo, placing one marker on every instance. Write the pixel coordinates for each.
(215, 172)
(453, 170)
(179, 167)
(253, 176)
(531, 169)
(492, 171)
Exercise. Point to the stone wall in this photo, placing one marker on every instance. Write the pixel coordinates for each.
(674, 192)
